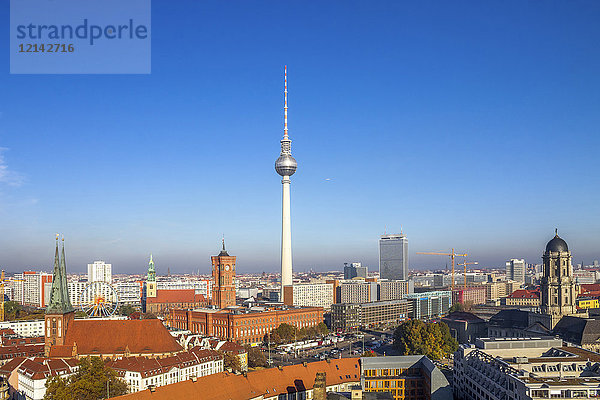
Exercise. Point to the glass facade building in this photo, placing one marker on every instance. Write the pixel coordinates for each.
(393, 257)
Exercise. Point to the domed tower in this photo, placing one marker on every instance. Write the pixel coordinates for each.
(286, 166)
(558, 288)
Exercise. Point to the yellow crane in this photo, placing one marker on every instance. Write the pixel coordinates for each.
(452, 255)
(2, 294)
(464, 264)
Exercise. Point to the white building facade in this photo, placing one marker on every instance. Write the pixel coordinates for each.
(99, 271)
(310, 295)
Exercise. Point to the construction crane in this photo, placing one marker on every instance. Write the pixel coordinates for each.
(452, 255)
(2, 280)
(464, 264)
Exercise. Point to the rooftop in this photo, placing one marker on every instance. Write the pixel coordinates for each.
(268, 382)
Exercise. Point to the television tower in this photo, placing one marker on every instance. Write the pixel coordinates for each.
(286, 166)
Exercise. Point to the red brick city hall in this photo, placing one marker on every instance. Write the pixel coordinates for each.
(242, 325)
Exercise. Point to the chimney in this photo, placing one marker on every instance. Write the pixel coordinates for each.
(152, 388)
(279, 367)
(320, 387)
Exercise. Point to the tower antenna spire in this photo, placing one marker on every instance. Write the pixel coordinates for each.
(285, 107)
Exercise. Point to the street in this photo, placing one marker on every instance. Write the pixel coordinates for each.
(351, 347)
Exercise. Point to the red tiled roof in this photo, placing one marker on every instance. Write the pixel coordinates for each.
(268, 382)
(21, 350)
(41, 368)
(590, 287)
(232, 347)
(145, 336)
(176, 296)
(525, 294)
(151, 367)
(10, 366)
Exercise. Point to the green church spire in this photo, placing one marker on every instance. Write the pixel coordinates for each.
(151, 276)
(60, 302)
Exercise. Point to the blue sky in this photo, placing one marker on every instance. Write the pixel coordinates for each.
(471, 124)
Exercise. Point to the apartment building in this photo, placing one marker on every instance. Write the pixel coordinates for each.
(309, 294)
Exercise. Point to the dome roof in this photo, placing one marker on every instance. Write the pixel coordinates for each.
(557, 245)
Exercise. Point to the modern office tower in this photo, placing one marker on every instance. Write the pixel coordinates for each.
(354, 270)
(393, 257)
(99, 271)
(309, 294)
(515, 269)
(223, 279)
(286, 166)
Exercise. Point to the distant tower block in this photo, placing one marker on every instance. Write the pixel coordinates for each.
(286, 166)
(223, 290)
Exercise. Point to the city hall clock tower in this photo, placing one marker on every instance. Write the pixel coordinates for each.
(223, 291)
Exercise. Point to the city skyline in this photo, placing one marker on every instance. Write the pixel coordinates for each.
(457, 122)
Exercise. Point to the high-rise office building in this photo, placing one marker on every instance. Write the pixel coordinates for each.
(393, 257)
(354, 270)
(515, 269)
(99, 271)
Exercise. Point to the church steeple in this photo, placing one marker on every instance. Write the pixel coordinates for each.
(60, 303)
(60, 311)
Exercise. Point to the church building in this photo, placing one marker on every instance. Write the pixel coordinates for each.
(67, 337)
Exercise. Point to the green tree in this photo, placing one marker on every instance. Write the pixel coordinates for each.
(256, 358)
(11, 310)
(232, 361)
(431, 339)
(92, 381)
(322, 329)
(286, 332)
(127, 309)
(466, 306)
(456, 307)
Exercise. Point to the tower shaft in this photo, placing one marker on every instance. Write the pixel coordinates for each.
(286, 236)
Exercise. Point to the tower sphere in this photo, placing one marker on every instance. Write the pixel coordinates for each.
(286, 165)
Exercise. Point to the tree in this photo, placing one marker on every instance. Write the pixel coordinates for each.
(231, 360)
(456, 307)
(431, 339)
(369, 353)
(93, 380)
(11, 310)
(148, 315)
(127, 310)
(322, 329)
(466, 306)
(286, 332)
(256, 358)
